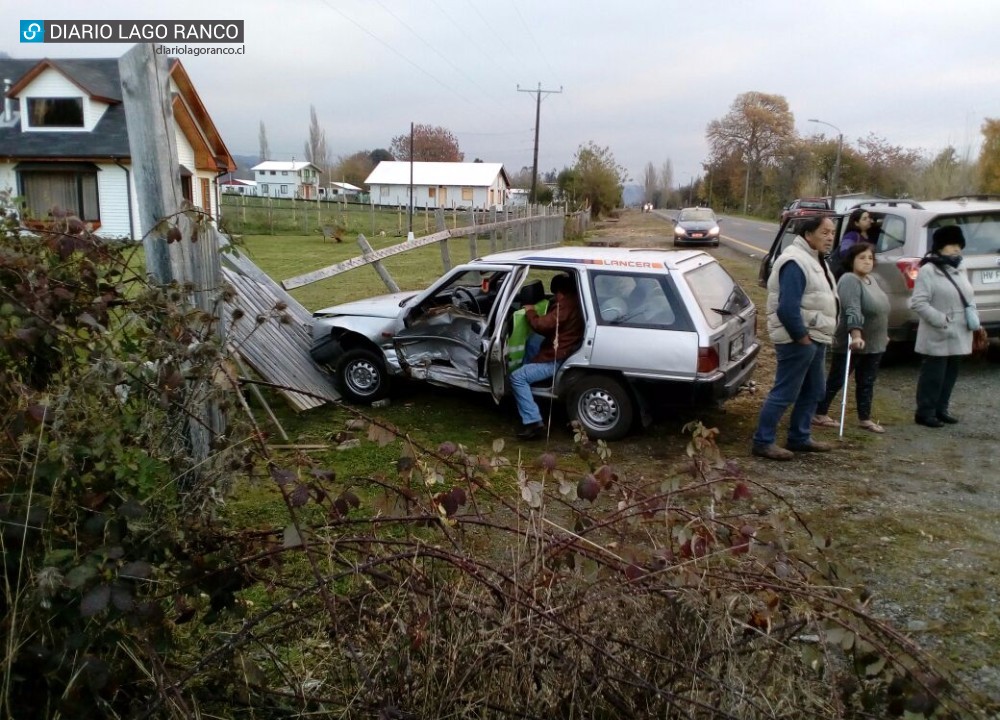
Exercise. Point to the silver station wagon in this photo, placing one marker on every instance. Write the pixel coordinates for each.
(661, 327)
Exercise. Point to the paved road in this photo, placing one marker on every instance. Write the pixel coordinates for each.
(748, 235)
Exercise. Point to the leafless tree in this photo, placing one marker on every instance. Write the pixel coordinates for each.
(265, 151)
(316, 148)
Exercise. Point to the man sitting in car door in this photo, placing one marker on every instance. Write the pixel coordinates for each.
(561, 328)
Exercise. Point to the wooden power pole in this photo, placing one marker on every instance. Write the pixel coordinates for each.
(538, 117)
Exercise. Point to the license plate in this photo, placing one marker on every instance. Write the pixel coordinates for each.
(990, 276)
(736, 347)
(697, 235)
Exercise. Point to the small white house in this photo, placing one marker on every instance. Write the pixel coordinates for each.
(287, 179)
(338, 190)
(439, 184)
(239, 187)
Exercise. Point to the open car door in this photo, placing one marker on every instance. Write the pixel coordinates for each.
(446, 332)
(496, 352)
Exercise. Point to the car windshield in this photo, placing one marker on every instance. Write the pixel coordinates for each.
(697, 215)
(717, 293)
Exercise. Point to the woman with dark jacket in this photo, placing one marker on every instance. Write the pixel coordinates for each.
(943, 335)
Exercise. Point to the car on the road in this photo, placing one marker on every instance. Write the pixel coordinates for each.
(805, 206)
(902, 236)
(696, 226)
(660, 327)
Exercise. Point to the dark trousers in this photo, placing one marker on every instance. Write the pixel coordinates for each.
(935, 383)
(865, 368)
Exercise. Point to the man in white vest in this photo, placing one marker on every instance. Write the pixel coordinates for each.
(802, 312)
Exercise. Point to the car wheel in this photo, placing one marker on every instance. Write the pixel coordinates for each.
(602, 406)
(715, 244)
(362, 376)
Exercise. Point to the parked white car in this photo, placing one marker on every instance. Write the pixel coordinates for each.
(660, 326)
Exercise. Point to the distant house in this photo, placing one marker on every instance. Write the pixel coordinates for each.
(239, 187)
(337, 190)
(287, 179)
(439, 184)
(64, 143)
(518, 197)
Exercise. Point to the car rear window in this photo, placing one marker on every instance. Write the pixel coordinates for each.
(982, 232)
(716, 293)
(813, 204)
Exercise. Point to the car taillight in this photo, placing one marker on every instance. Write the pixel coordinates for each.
(708, 359)
(909, 267)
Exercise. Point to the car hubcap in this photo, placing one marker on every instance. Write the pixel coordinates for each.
(363, 377)
(599, 409)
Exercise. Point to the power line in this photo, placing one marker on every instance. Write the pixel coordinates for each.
(531, 36)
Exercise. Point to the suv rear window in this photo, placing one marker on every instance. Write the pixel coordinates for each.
(982, 232)
(813, 204)
(717, 294)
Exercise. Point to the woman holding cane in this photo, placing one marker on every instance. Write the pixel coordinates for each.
(863, 327)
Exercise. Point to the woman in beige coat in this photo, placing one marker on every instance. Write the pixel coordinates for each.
(943, 335)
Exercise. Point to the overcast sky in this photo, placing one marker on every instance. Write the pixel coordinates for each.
(643, 78)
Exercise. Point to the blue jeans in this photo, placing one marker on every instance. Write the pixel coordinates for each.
(520, 383)
(799, 380)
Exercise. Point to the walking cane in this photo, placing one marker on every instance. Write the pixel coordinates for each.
(847, 377)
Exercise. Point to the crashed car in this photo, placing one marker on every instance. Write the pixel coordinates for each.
(660, 326)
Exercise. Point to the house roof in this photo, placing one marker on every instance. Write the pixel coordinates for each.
(293, 165)
(238, 181)
(99, 78)
(346, 186)
(394, 172)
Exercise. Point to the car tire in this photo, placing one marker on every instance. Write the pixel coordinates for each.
(603, 407)
(715, 244)
(362, 376)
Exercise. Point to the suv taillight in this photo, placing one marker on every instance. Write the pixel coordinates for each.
(909, 267)
(708, 359)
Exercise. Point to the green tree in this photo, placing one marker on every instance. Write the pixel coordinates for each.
(757, 127)
(989, 157)
(601, 178)
(430, 144)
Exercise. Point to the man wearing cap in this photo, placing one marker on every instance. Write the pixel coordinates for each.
(940, 294)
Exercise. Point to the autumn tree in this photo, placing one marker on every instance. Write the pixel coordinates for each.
(756, 128)
(264, 151)
(430, 144)
(316, 148)
(601, 178)
(891, 168)
(946, 174)
(354, 168)
(989, 157)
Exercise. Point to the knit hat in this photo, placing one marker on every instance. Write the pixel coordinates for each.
(947, 235)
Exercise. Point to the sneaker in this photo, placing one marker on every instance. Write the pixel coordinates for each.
(772, 452)
(811, 446)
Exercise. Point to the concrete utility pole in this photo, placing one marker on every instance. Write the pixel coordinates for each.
(538, 115)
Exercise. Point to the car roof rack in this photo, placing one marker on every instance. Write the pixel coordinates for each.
(978, 197)
(890, 203)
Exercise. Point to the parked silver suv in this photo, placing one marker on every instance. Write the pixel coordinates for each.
(659, 326)
(901, 236)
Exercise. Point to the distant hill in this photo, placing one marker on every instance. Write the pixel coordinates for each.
(244, 163)
(633, 194)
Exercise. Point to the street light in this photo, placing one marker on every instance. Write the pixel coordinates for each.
(836, 163)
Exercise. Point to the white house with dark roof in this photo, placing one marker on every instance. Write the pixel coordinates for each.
(287, 179)
(64, 143)
(439, 184)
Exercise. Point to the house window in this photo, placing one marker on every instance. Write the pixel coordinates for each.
(383, 190)
(467, 194)
(264, 190)
(55, 112)
(284, 172)
(274, 172)
(284, 189)
(186, 190)
(432, 192)
(69, 189)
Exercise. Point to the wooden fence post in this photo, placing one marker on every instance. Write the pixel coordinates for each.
(367, 250)
(145, 81)
(439, 221)
(493, 233)
(473, 245)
